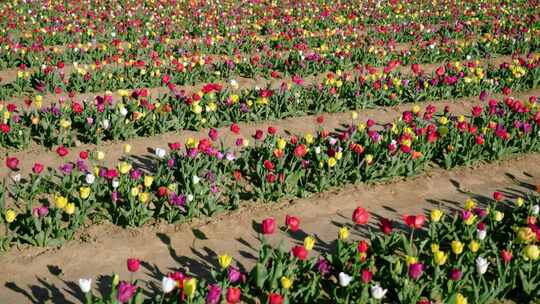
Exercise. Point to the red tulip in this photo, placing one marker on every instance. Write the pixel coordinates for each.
(175, 145)
(274, 298)
(363, 246)
(268, 226)
(360, 216)
(12, 163)
(233, 295)
(272, 130)
(37, 168)
(83, 154)
(162, 191)
(268, 165)
(133, 264)
(414, 221)
(506, 256)
(292, 222)
(366, 276)
(300, 151)
(320, 119)
(235, 128)
(5, 128)
(213, 134)
(62, 151)
(386, 226)
(300, 252)
(498, 196)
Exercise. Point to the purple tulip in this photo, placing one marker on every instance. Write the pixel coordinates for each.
(214, 294)
(455, 274)
(323, 266)
(125, 291)
(416, 270)
(234, 274)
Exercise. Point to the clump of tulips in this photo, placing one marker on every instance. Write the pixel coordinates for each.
(203, 177)
(476, 254)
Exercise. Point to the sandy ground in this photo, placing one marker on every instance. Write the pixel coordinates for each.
(38, 275)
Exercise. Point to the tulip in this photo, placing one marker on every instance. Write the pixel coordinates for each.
(498, 216)
(309, 242)
(12, 163)
(531, 252)
(535, 210)
(148, 180)
(457, 247)
(474, 246)
(460, 299)
(160, 153)
(344, 279)
(268, 226)
(274, 298)
(90, 178)
(440, 258)
(168, 284)
(127, 148)
(519, 202)
(416, 270)
(455, 274)
(190, 285)
(133, 264)
(414, 221)
(37, 168)
(481, 265)
(233, 295)
(62, 151)
(300, 252)
(233, 275)
(292, 223)
(85, 285)
(377, 292)
(214, 294)
(70, 208)
(360, 216)
(498, 196)
(10, 216)
(125, 291)
(343, 233)
(366, 276)
(436, 215)
(224, 261)
(506, 256)
(84, 192)
(363, 246)
(100, 155)
(286, 283)
(386, 226)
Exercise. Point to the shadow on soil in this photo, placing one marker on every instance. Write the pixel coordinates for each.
(204, 259)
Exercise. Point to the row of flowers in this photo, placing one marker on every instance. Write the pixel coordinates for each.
(213, 106)
(475, 254)
(30, 24)
(48, 207)
(147, 72)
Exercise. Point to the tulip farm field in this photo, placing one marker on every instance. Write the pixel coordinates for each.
(270, 151)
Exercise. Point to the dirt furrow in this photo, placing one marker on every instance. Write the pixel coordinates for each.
(50, 273)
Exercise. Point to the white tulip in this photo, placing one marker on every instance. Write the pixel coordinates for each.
(377, 292)
(16, 177)
(234, 84)
(189, 198)
(160, 152)
(535, 210)
(168, 284)
(344, 279)
(90, 178)
(85, 285)
(481, 234)
(115, 183)
(123, 111)
(317, 150)
(481, 265)
(195, 179)
(106, 124)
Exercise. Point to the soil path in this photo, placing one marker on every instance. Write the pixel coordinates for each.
(37, 275)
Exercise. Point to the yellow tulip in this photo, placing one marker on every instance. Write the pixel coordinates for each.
(10, 216)
(436, 215)
(148, 180)
(70, 208)
(498, 216)
(190, 286)
(309, 138)
(470, 204)
(100, 155)
(343, 233)
(440, 258)
(526, 234)
(519, 202)
(134, 191)
(411, 260)
(225, 261)
(144, 197)
(457, 247)
(531, 252)
(281, 143)
(434, 248)
(124, 167)
(84, 192)
(309, 242)
(332, 162)
(60, 201)
(286, 282)
(474, 246)
(460, 299)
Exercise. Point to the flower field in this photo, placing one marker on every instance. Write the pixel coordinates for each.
(282, 151)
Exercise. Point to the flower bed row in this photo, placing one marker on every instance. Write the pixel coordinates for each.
(477, 254)
(30, 23)
(49, 207)
(214, 107)
(148, 71)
